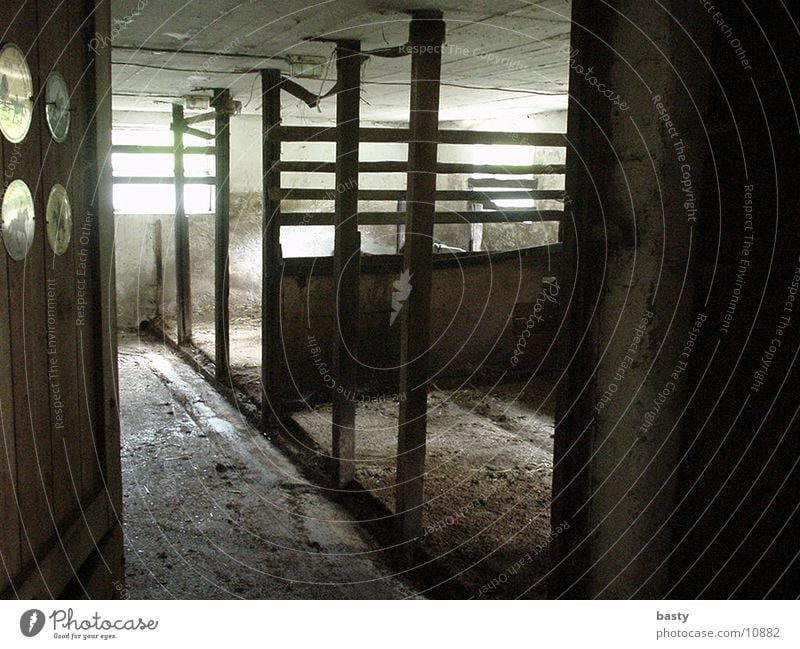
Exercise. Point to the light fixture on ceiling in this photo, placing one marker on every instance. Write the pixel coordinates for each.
(307, 67)
(196, 102)
(233, 107)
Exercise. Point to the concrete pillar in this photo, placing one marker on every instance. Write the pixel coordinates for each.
(637, 145)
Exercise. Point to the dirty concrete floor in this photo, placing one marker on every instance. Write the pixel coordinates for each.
(213, 510)
(488, 476)
(489, 469)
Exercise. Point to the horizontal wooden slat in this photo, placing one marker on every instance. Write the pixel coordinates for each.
(162, 180)
(547, 256)
(399, 218)
(400, 195)
(187, 150)
(390, 166)
(199, 119)
(400, 166)
(399, 135)
(196, 133)
(467, 168)
(493, 183)
(328, 134)
(490, 137)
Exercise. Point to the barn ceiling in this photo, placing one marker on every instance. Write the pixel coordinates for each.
(504, 57)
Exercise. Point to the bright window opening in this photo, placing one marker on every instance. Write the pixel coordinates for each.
(138, 198)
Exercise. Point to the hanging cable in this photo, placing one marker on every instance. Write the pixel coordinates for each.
(324, 79)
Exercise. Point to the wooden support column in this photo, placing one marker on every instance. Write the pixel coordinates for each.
(103, 206)
(222, 279)
(272, 259)
(346, 260)
(182, 267)
(426, 36)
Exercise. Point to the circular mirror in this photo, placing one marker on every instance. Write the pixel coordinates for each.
(59, 220)
(56, 95)
(16, 94)
(18, 220)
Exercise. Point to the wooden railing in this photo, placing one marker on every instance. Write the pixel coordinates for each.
(484, 191)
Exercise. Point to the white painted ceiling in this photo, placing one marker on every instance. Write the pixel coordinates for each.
(503, 57)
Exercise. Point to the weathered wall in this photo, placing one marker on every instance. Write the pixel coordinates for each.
(483, 308)
(138, 283)
(480, 311)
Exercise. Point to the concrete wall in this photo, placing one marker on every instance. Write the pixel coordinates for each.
(137, 245)
(483, 308)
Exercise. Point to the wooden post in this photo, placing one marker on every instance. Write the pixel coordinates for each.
(182, 267)
(9, 512)
(426, 36)
(103, 207)
(158, 256)
(222, 278)
(272, 261)
(346, 260)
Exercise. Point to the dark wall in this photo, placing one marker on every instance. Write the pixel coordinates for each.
(738, 533)
(703, 502)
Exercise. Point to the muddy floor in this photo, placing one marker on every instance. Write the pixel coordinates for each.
(214, 510)
(488, 481)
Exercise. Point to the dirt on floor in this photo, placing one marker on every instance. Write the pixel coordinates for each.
(487, 530)
(487, 483)
(213, 510)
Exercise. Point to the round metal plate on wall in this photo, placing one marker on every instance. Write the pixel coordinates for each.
(18, 220)
(16, 94)
(56, 95)
(59, 220)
